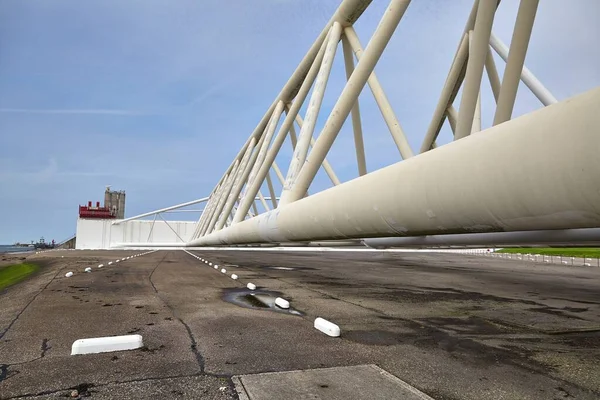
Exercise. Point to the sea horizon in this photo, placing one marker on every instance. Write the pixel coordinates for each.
(9, 248)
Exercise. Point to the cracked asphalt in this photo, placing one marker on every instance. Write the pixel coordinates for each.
(453, 326)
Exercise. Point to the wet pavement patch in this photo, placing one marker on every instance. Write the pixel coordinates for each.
(256, 299)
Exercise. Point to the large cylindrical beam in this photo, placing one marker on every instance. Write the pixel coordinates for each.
(473, 185)
(558, 237)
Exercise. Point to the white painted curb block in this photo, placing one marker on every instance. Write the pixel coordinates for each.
(283, 303)
(234, 276)
(251, 286)
(216, 267)
(224, 271)
(117, 260)
(68, 274)
(210, 264)
(106, 344)
(101, 265)
(88, 269)
(328, 328)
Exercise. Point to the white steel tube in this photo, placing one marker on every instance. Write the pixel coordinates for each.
(477, 117)
(527, 76)
(452, 117)
(356, 123)
(293, 137)
(227, 187)
(452, 84)
(271, 190)
(278, 173)
(346, 14)
(312, 112)
(475, 65)
(448, 94)
(476, 127)
(214, 203)
(169, 225)
(189, 203)
(516, 60)
(492, 73)
(288, 124)
(247, 165)
(381, 99)
(326, 166)
(263, 201)
(537, 193)
(348, 97)
(262, 152)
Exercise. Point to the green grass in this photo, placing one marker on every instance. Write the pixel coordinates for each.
(589, 252)
(15, 273)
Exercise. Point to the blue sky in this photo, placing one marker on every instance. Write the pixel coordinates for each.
(156, 97)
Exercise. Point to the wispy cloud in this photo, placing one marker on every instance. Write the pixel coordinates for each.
(92, 111)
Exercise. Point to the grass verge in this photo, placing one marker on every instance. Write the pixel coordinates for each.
(15, 273)
(589, 252)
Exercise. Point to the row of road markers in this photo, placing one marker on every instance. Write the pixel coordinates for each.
(548, 259)
(89, 269)
(321, 324)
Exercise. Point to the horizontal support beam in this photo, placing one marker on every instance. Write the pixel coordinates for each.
(473, 185)
(170, 209)
(189, 203)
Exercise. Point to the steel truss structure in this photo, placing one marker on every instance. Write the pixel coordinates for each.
(487, 182)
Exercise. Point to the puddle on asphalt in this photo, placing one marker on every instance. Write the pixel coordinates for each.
(281, 268)
(256, 299)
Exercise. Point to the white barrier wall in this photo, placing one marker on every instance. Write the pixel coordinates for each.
(101, 233)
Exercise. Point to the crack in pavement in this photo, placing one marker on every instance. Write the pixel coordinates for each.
(193, 343)
(54, 391)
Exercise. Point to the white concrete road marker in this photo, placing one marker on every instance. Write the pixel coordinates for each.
(110, 262)
(68, 274)
(224, 271)
(106, 344)
(88, 269)
(328, 328)
(101, 265)
(234, 276)
(251, 286)
(282, 303)
(117, 260)
(216, 267)
(210, 264)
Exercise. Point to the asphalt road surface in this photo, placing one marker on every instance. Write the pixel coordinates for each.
(452, 326)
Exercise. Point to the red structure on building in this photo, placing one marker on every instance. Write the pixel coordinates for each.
(95, 212)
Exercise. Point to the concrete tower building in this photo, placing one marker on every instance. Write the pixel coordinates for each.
(115, 202)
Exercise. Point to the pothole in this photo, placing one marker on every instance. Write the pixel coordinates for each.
(256, 299)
